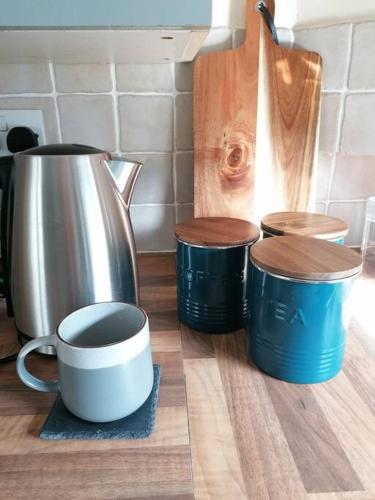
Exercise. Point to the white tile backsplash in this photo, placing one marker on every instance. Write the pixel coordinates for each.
(358, 133)
(184, 212)
(345, 174)
(320, 208)
(184, 177)
(144, 77)
(354, 178)
(324, 167)
(184, 122)
(146, 123)
(144, 112)
(184, 76)
(83, 78)
(332, 44)
(21, 78)
(329, 123)
(153, 227)
(155, 180)
(353, 213)
(88, 119)
(362, 70)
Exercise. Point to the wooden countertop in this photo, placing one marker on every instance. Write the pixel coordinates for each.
(240, 435)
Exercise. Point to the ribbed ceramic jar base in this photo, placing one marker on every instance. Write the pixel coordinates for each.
(297, 330)
(212, 319)
(211, 287)
(295, 365)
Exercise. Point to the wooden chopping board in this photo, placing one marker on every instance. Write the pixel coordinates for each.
(256, 112)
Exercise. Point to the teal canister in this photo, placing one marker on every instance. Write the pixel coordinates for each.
(212, 271)
(299, 302)
(309, 224)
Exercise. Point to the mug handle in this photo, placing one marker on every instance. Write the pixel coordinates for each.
(25, 375)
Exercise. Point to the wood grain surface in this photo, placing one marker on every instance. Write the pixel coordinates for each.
(319, 455)
(216, 231)
(256, 111)
(216, 467)
(261, 443)
(305, 258)
(288, 114)
(225, 121)
(304, 224)
(241, 434)
(156, 467)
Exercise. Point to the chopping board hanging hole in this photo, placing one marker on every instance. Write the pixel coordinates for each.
(269, 21)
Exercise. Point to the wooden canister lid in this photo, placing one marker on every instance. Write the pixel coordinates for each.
(305, 258)
(304, 224)
(216, 232)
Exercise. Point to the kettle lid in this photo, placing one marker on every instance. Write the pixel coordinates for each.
(62, 150)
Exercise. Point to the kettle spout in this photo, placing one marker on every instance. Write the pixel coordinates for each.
(124, 174)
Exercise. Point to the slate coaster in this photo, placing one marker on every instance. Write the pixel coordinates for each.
(61, 424)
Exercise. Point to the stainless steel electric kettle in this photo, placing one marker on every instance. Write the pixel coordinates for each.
(72, 240)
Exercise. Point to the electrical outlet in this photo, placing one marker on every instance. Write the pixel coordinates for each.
(9, 118)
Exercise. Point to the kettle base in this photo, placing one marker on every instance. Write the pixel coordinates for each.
(23, 339)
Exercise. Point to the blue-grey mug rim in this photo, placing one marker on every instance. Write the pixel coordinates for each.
(132, 306)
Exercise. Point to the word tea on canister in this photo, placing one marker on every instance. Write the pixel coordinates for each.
(298, 302)
(304, 224)
(212, 272)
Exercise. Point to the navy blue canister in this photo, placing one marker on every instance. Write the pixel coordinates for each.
(299, 306)
(304, 224)
(212, 272)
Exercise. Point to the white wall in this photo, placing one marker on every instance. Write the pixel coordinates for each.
(297, 13)
(228, 24)
(325, 12)
(231, 13)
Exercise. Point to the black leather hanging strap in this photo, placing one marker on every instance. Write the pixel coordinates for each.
(268, 19)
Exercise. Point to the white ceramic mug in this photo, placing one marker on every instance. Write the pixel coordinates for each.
(104, 361)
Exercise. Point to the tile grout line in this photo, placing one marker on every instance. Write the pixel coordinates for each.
(349, 91)
(80, 92)
(115, 105)
(172, 204)
(174, 156)
(178, 152)
(354, 200)
(341, 115)
(53, 94)
(332, 168)
(330, 25)
(141, 252)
